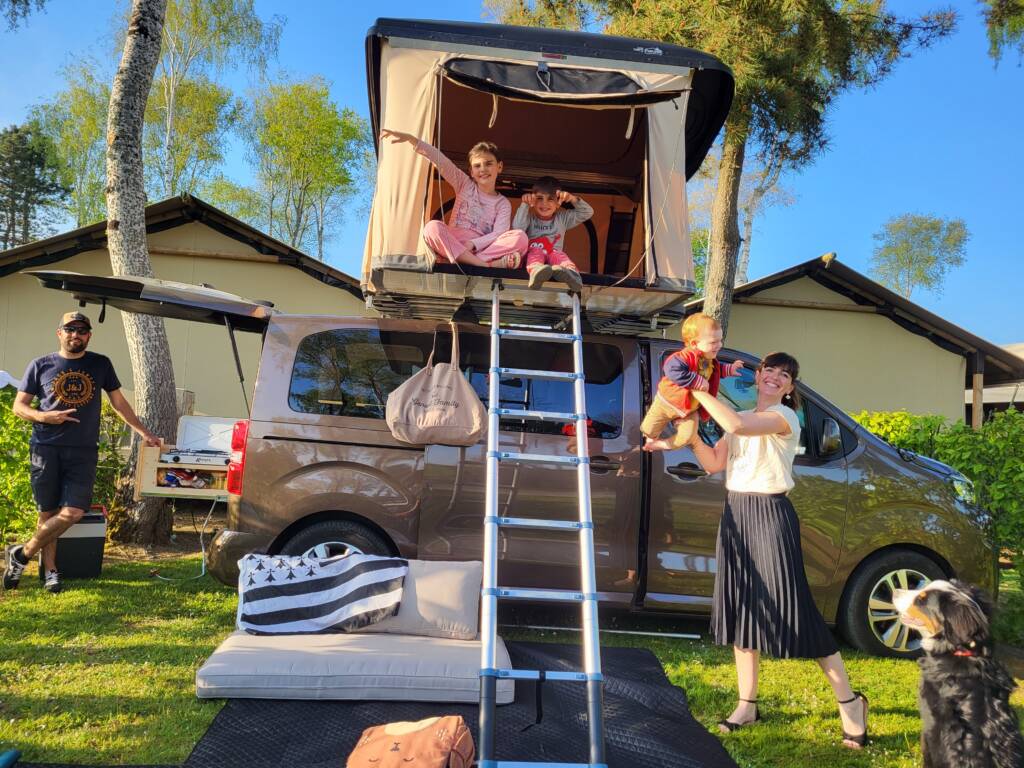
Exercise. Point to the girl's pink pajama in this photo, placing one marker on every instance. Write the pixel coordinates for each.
(448, 241)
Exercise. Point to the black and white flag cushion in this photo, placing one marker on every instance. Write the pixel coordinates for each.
(281, 594)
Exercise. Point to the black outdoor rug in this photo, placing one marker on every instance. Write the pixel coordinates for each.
(647, 721)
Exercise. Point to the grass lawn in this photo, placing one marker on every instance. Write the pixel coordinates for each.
(104, 673)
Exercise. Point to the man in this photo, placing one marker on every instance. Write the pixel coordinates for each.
(65, 436)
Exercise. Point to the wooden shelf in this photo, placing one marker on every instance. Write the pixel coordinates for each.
(150, 466)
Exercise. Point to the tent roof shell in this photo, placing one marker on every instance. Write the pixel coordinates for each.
(711, 88)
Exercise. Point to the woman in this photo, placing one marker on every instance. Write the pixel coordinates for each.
(762, 602)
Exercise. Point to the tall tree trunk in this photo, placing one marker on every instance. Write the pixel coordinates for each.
(725, 232)
(147, 522)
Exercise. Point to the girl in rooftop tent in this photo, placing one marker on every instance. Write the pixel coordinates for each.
(478, 232)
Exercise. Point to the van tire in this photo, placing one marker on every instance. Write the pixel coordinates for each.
(360, 536)
(873, 575)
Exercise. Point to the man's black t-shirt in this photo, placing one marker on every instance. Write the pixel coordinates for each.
(60, 384)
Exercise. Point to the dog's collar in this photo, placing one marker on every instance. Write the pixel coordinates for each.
(963, 652)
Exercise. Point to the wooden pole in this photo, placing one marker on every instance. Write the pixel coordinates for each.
(978, 390)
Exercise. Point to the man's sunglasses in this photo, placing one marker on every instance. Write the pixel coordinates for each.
(76, 329)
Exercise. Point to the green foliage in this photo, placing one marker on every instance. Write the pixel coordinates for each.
(914, 251)
(699, 239)
(204, 112)
(17, 10)
(991, 457)
(310, 158)
(17, 508)
(1004, 22)
(75, 120)
(30, 184)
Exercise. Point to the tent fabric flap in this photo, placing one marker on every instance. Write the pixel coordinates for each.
(399, 210)
(669, 254)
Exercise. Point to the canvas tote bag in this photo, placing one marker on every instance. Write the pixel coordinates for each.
(437, 405)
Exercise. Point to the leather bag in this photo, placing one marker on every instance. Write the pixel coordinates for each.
(437, 742)
(437, 405)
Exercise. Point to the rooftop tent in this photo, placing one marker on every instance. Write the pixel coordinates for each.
(624, 122)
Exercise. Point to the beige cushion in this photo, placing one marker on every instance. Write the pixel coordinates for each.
(439, 599)
(348, 666)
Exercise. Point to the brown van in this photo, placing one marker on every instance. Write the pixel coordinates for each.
(316, 467)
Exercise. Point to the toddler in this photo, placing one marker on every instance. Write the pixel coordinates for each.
(694, 367)
(545, 221)
(478, 230)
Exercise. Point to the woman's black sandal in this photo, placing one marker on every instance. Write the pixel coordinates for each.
(729, 726)
(858, 741)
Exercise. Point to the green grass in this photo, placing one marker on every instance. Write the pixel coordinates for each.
(104, 673)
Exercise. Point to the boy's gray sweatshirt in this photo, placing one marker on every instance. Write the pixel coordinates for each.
(552, 229)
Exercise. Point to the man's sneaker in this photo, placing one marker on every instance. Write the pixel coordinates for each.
(14, 569)
(570, 277)
(52, 583)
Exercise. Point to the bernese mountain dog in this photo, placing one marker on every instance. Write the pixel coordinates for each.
(966, 718)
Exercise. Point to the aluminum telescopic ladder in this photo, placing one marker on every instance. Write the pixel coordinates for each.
(584, 526)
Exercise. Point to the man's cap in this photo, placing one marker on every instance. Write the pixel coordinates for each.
(75, 317)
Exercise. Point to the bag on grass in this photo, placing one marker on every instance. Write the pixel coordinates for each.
(437, 405)
(288, 595)
(437, 742)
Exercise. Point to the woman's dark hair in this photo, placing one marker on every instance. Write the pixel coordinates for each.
(788, 364)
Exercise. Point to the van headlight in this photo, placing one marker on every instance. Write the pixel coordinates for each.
(962, 488)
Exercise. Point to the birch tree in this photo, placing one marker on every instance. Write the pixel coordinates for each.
(148, 521)
(200, 37)
(914, 251)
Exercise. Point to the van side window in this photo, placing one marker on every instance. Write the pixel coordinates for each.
(351, 371)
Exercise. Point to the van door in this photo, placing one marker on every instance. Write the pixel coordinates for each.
(451, 518)
(686, 503)
(164, 298)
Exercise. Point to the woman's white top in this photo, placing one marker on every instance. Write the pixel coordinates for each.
(763, 463)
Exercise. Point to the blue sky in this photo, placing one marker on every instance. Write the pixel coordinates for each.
(940, 137)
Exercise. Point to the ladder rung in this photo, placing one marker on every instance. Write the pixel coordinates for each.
(517, 764)
(526, 373)
(509, 333)
(553, 595)
(533, 674)
(541, 458)
(536, 415)
(529, 522)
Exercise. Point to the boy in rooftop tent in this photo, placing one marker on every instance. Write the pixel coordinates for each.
(693, 368)
(545, 221)
(477, 232)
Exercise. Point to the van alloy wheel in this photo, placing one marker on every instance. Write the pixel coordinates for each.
(333, 549)
(882, 615)
(329, 538)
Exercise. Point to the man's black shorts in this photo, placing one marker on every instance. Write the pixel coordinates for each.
(63, 476)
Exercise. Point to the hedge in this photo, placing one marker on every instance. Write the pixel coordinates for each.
(17, 509)
(991, 457)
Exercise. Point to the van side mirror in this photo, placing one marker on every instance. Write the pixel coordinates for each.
(831, 438)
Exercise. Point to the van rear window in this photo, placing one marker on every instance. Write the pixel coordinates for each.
(351, 372)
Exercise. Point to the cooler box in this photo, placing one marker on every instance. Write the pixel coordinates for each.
(80, 547)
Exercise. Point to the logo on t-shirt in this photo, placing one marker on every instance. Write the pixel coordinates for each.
(74, 388)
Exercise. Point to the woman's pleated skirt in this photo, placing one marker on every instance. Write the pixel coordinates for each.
(762, 600)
